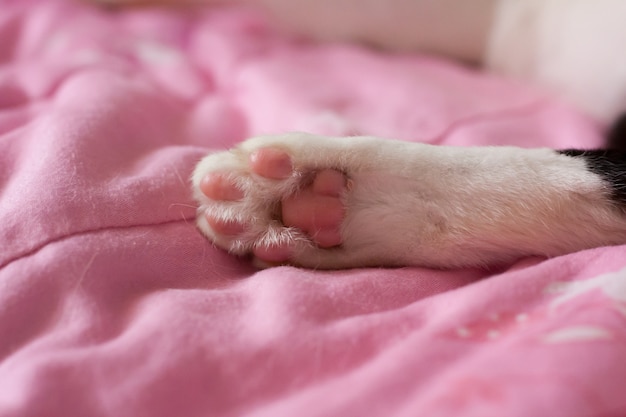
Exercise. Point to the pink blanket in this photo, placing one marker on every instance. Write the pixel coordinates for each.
(111, 304)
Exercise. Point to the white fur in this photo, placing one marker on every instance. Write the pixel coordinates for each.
(416, 204)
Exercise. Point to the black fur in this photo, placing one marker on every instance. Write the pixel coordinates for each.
(617, 135)
(610, 164)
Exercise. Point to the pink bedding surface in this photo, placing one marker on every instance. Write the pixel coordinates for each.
(111, 303)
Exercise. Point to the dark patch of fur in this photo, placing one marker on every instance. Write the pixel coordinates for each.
(617, 135)
(609, 164)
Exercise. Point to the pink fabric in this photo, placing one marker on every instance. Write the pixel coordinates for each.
(111, 304)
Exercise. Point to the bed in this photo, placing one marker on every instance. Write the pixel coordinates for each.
(112, 304)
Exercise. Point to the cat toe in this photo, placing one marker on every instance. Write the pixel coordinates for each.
(218, 186)
(271, 163)
(225, 227)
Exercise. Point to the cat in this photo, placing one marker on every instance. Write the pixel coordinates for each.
(328, 203)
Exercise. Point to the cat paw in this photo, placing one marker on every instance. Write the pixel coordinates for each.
(262, 199)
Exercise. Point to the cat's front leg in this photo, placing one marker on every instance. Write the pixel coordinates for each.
(326, 202)
(292, 198)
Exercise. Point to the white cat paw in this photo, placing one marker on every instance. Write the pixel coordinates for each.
(264, 198)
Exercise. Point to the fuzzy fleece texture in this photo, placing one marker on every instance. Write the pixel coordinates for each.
(112, 304)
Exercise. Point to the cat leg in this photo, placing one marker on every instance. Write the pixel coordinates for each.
(325, 202)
